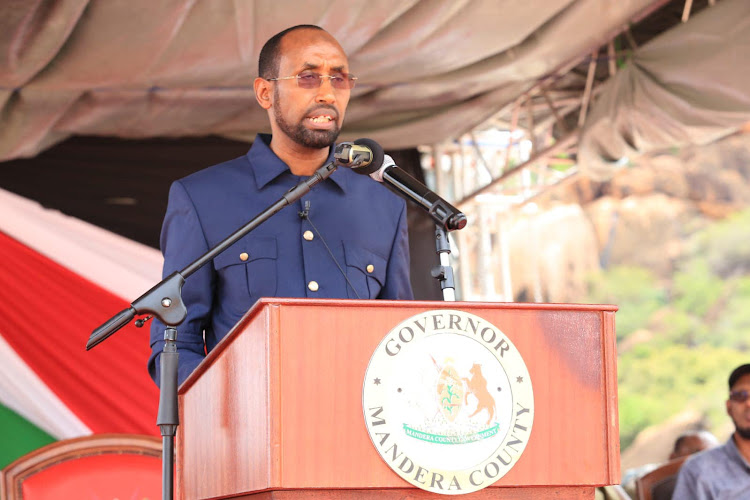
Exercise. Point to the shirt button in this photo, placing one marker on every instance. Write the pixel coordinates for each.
(313, 286)
(244, 256)
(370, 268)
(308, 235)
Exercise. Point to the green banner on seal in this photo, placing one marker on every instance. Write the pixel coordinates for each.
(442, 439)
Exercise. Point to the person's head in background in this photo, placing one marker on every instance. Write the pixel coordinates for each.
(738, 404)
(691, 442)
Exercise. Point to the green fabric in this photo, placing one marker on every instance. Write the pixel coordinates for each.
(18, 436)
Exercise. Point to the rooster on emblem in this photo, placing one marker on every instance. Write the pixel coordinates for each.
(450, 391)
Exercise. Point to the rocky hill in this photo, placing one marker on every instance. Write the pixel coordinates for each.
(644, 216)
(668, 241)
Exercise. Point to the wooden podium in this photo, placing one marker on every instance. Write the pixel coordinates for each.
(275, 411)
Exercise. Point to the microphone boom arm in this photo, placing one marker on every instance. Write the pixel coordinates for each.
(164, 300)
(443, 213)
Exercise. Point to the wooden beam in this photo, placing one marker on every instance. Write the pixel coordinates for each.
(570, 176)
(551, 105)
(611, 58)
(686, 10)
(587, 90)
(530, 125)
(555, 148)
(630, 39)
(513, 126)
(480, 156)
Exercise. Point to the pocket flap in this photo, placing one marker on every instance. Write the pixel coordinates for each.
(248, 249)
(371, 264)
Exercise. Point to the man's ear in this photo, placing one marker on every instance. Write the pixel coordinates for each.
(729, 412)
(263, 92)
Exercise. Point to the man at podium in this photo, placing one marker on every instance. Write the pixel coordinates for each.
(346, 238)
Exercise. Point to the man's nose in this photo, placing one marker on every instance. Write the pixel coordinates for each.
(326, 91)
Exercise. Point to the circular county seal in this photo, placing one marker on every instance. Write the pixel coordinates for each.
(447, 401)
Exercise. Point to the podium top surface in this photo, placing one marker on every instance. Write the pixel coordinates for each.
(387, 304)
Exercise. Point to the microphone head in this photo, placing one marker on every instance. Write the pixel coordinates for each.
(376, 160)
(387, 162)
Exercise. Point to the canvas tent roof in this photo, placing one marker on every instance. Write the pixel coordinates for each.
(428, 69)
(690, 85)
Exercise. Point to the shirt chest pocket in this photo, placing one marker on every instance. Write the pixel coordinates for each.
(365, 271)
(246, 272)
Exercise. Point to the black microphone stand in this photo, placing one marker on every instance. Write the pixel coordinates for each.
(446, 218)
(165, 302)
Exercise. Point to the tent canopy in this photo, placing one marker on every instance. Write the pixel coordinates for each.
(690, 85)
(428, 69)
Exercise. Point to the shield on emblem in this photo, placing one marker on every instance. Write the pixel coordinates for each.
(450, 391)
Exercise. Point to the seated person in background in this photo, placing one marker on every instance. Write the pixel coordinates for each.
(687, 443)
(723, 472)
(691, 442)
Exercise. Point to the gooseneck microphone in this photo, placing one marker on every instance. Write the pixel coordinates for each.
(366, 157)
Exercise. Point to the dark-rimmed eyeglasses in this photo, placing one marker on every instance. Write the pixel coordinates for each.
(739, 396)
(313, 80)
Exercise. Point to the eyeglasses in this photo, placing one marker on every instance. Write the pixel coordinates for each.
(739, 396)
(312, 80)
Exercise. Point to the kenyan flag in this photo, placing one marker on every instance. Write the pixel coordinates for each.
(50, 387)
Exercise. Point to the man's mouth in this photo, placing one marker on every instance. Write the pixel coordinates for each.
(322, 120)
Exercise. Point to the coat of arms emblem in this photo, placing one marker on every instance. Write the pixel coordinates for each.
(448, 402)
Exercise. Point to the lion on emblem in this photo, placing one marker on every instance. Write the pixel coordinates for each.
(477, 385)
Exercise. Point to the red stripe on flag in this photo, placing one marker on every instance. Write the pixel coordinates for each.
(47, 313)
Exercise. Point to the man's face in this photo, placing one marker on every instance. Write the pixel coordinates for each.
(738, 411)
(312, 118)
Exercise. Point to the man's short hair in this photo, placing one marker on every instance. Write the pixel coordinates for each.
(268, 62)
(738, 373)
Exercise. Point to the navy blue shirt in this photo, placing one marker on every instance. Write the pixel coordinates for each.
(362, 223)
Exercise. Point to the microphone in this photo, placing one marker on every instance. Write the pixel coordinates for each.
(363, 156)
(382, 168)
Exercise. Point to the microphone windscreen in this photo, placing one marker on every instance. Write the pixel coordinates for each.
(377, 156)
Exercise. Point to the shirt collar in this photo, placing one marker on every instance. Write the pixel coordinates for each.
(736, 452)
(268, 166)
